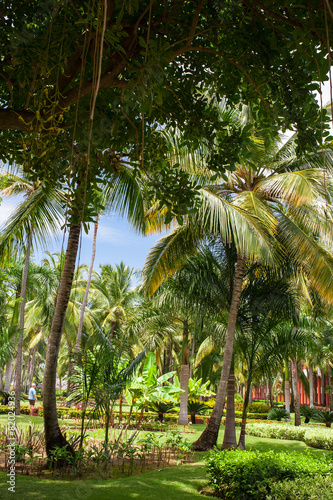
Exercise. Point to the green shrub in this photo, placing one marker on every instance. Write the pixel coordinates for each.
(316, 437)
(238, 398)
(276, 431)
(239, 474)
(319, 437)
(312, 488)
(260, 416)
(256, 407)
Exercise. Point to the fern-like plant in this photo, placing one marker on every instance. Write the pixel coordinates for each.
(277, 414)
(325, 417)
(308, 413)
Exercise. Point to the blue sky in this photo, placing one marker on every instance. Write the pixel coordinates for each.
(116, 241)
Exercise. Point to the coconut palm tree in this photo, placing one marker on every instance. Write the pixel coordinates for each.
(83, 207)
(34, 220)
(271, 205)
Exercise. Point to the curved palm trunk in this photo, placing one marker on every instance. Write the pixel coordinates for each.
(229, 439)
(295, 392)
(310, 372)
(85, 298)
(208, 438)
(19, 353)
(53, 436)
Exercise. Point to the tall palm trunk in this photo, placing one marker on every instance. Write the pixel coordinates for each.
(241, 442)
(323, 385)
(208, 438)
(329, 381)
(287, 387)
(184, 377)
(295, 392)
(19, 352)
(229, 439)
(271, 396)
(85, 298)
(53, 436)
(32, 365)
(310, 372)
(8, 374)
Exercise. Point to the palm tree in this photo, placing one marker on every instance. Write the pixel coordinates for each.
(82, 203)
(34, 219)
(267, 208)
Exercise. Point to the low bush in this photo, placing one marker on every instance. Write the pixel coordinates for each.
(251, 474)
(256, 407)
(276, 431)
(303, 489)
(316, 437)
(319, 437)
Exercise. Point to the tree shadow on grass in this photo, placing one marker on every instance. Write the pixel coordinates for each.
(172, 483)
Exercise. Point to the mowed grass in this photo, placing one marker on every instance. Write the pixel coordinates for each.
(170, 483)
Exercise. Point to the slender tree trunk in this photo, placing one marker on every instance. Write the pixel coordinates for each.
(184, 376)
(19, 352)
(229, 439)
(169, 356)
(329, 381)
(32, 365)
(208, 438)
(271, 397)
(121, 407)
(323, 393)
(295, 391)
(310, 372)
(192, 355)
(315, 392)
(183, 413)
(86, 293)
(287, 388)
(8, 374)
(1, 381)
(25, 372)
(70, 372)
(53, 436)
(241, 441)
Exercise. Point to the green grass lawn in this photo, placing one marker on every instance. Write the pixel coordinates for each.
(170, 483)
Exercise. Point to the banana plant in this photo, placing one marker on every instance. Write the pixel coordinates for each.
(148, 388)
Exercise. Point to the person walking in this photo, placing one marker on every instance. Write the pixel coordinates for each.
(32, 395)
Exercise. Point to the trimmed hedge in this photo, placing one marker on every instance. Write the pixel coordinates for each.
(316, 437)
(314, 488)
(251, 474)
(253, 407)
